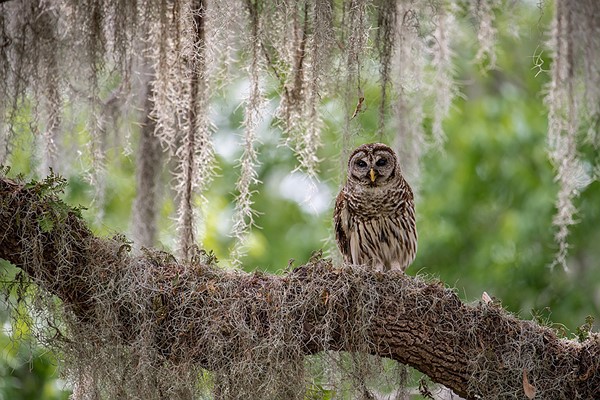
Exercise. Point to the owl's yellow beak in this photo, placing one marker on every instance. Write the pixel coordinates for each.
(372, 173)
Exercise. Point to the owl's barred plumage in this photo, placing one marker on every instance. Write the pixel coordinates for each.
(374, 212)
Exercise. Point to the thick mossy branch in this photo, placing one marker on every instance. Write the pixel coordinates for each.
(169, 319)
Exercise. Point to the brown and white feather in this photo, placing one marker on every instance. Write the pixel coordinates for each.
(374, 218)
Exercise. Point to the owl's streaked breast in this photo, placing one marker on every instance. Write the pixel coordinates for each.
(371, 203)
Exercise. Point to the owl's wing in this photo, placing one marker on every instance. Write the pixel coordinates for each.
(341, 219)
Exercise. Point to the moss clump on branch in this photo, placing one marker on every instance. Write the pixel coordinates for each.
(149, 324)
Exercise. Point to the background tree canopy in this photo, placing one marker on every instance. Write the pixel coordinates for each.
(227, 125)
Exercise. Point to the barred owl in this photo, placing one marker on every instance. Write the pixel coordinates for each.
(374, 212)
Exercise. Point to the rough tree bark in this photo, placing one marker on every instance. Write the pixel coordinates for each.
(464, 347)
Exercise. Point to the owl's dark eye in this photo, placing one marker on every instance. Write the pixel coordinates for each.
(381, 162)
(361, 163)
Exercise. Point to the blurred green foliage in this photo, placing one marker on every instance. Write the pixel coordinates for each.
(485, 203)
(27, 370)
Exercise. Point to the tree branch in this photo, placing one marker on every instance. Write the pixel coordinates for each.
(479, 351)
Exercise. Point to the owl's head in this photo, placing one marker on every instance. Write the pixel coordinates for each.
(373, 165)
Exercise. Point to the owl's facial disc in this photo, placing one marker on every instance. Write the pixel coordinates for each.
(372, 169)
(372, 165)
